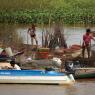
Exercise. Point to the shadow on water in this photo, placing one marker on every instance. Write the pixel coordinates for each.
(79, 88)
(24, 89)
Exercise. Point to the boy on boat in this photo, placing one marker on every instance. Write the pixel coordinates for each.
(32, 33)
(14, 66)
(87, 37)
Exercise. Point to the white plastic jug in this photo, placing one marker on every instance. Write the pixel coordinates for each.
(1, 50)
(9, 51)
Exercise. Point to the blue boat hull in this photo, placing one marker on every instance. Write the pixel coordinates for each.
(29, 73)
(34, 76)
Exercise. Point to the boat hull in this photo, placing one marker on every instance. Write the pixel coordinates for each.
(83, 76)
(41, 78)
(82, 73)
(37, 80)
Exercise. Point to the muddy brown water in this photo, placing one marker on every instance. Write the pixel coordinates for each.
(73, 35)
(81, 87)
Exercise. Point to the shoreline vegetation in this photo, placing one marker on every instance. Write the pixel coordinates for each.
(48, 11)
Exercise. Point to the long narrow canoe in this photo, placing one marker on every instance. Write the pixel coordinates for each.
(82, 73)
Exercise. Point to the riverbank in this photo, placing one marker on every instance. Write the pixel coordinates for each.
(73, 35)
(64, 54)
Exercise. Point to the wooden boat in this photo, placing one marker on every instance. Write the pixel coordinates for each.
(78, 71)
(82, 73)
(35, 77)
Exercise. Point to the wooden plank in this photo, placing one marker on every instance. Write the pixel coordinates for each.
(85, 68)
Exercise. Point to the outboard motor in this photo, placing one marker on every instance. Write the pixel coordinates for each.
(69, 67)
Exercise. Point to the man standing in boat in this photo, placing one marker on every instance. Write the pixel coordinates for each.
(32, 33)
(87, 37)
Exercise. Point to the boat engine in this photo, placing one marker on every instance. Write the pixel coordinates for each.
(69, 67)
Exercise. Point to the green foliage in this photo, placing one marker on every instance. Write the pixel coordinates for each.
(47, 11)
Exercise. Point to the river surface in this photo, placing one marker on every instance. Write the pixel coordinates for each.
(83, 87)
(73, 35)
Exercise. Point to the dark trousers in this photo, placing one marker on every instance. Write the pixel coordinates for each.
(86, 47)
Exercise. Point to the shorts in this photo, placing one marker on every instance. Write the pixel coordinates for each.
(33, 35)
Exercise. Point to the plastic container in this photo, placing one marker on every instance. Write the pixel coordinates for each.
(9, 51)
(1, 50)
(42, 55)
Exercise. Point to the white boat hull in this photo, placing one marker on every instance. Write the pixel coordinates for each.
(37, 79)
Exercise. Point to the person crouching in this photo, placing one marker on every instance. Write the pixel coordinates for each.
(14, 66)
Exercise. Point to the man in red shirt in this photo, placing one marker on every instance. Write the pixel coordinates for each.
(87, 37)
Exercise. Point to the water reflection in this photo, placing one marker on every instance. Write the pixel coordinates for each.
(37, 89)
(79, 88)
(72, 35)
